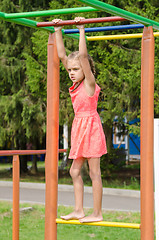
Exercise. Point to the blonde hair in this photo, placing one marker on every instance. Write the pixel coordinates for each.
(75, 55)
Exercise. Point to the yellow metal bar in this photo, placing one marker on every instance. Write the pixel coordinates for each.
(103, 224)
(123, 36)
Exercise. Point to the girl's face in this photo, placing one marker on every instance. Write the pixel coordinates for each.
(75, 70)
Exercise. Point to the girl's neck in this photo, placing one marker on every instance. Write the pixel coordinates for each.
(76, 85)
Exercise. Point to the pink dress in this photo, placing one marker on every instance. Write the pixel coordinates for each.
(87, 136)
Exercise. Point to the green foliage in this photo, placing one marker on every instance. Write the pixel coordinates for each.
(11, 130)
(23, 72)
(114, 160)
(119, 78)
(36, 80)
(22, 82)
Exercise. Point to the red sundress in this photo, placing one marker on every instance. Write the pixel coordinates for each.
(87, 136)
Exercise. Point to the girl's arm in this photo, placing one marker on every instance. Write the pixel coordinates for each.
(60, 45)
(83, 55)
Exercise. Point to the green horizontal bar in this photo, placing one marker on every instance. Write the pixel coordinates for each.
(25, 22)
(50, 12)
(120, 12)
(33, 24)
(74, 36)
(2, 15)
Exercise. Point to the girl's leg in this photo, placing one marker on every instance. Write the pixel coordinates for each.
(75, 172)
(95, 175)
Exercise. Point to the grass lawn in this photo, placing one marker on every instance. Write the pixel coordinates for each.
(32, 225)
(126, 178)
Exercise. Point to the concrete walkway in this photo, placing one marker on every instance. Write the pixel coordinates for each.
(113, 199)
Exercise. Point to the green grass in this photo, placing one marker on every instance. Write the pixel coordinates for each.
(32, 225)
(114, 180)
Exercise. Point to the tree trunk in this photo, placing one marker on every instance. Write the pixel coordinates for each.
(23, 164)
(34, 168)
(109, 136)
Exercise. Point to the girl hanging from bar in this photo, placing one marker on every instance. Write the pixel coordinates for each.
(87, 136)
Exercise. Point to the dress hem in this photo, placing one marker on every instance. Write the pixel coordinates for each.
(97, 156)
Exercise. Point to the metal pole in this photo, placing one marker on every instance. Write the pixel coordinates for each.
(50, 12)
(107, 28)
(26, 152)
(156, 171)
(83, 21)
(51, 167)
(15, 220)
(24, 22)
(120, 12)
(102, 223)
(65, 140)
(122, 36)
(32, 24)
(147, 122)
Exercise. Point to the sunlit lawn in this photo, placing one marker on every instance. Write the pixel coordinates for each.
(32, 224)
(6, 174)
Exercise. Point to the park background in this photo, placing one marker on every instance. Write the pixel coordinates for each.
(23, 75)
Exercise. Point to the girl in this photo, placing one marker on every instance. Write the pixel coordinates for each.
(87, 136)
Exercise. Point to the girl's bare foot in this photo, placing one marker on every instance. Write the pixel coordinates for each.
(91, 218)
(73, 216)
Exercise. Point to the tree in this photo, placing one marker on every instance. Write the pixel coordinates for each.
(118, 68)
(22, 121)
(23, 73)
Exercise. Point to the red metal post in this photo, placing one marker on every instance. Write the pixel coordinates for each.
(15, 220)
(147, 121)
(83, 21)
(51, 167)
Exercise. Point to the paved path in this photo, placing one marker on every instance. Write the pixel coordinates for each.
(113, 199)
